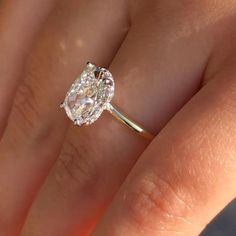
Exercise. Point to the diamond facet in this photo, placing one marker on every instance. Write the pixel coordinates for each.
(89, 95)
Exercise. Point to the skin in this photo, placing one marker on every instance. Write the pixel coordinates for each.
(174, 67)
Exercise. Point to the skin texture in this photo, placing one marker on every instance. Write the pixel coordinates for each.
(174, 68)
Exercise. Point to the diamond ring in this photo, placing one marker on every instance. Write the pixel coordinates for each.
(91, 94)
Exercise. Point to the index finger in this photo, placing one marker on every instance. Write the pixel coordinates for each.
(19, 23)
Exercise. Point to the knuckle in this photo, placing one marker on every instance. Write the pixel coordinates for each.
(74, 172)
(25, 107)
(27, 116)
(154, 201)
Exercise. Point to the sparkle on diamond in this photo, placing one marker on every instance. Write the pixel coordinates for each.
(89, 95)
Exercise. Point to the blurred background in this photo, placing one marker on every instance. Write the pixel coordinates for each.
(224, 224)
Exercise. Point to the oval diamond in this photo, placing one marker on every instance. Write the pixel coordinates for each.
(89, 95)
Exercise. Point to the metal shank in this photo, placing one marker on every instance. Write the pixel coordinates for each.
(130, 123)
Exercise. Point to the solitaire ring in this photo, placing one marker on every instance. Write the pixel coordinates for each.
(91, 94)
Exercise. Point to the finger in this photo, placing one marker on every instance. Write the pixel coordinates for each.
(187, 175)
(36, 126)
(96, 159)
(18, 20)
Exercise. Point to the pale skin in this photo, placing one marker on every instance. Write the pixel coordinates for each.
(174, 63)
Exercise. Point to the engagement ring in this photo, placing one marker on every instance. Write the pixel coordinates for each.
(91, 94)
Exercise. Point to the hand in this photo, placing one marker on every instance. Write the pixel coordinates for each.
(174, 67)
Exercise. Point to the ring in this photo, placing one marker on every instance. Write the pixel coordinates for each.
(91, 94)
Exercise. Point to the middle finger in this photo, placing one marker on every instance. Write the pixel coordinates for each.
(36, 127)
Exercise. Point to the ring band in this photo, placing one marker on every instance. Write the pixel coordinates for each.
(91, 94)
(130, 123)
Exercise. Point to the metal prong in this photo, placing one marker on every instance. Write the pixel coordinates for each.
(76, 123)
(62, 105)
(90, 64)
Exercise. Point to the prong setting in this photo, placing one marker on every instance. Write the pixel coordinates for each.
(88, 95)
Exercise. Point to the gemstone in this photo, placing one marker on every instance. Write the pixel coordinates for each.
(89, 95)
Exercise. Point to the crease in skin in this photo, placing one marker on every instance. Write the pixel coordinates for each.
(153, 201)
(82, 172)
